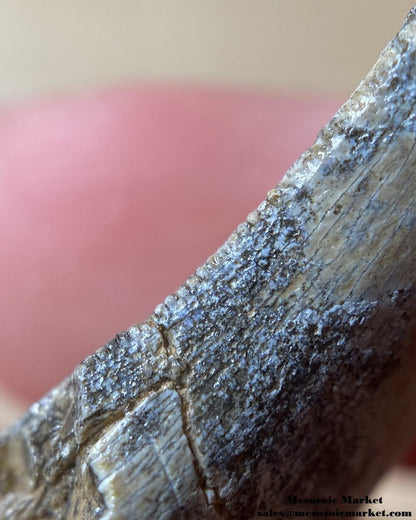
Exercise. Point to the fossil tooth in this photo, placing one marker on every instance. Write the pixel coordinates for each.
(284, 366)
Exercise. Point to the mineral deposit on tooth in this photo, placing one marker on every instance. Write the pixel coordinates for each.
(284, 366)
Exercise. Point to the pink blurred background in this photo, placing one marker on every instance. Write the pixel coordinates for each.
(133, 141)
(111, 200)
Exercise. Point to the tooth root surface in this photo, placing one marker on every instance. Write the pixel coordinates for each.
(284, 366)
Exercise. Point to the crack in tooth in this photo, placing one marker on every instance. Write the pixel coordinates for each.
(211, 494)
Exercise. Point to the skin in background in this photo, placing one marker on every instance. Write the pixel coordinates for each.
(109, 201)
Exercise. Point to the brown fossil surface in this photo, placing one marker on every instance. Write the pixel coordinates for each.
(284, 366)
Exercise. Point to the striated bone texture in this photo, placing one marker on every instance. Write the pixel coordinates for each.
(283, 366)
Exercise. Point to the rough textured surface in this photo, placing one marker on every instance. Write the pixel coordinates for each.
(283, 366)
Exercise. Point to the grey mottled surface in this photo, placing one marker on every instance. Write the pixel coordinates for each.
(282, 367)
